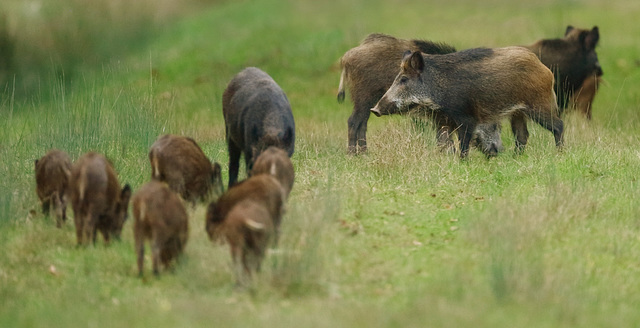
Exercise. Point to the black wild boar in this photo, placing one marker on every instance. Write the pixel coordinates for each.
(247, 216)
(182, 164)
(369, 69)
(257, 115)
(572, 60)
(275, 161)
(161, 218)
(52, 181)
(477, 86)
(97, 200)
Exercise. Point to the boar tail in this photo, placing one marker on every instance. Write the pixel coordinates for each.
(253, 225)
(343, 76)
(155, 174)
(82, 182)
(273, 170)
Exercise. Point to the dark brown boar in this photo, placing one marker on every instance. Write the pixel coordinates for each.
(369, 69)
(274, 161)
(477, 86)
(52, 181)
(182, 164)
(98, 202)
(161, 218)
(257, 115)
(247, 216)
(572, 59)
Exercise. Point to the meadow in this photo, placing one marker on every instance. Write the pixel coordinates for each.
(403, 236)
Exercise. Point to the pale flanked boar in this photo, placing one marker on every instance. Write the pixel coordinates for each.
(247, 217)
(161, 218)
(52, 181)
(98, 202)
(477, 86)
(275, 161)
(573, 60)
(182, 164)
(368, 71)
(257, 115)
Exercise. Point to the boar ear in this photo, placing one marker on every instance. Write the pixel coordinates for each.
(568, 30)
(417, 61)
(591, 39)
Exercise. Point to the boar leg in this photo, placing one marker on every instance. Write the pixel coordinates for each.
(46, 204)
(520, 131)
(444, 130)
(58, 207)
(155, 255)
(465, 134)
(234, 163)
(78, 220)
(548, 120)
(139, 251)
(357, 125)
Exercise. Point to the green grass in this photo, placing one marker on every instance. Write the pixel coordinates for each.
(403, 236)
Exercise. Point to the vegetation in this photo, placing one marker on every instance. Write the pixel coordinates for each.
(403, 236)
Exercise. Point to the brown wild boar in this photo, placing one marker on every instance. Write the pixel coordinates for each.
(275, 161)
(161, 218)
(182, 164)
(52, 181)
(477, 86)
(98, 202)
(572, 60)
(247, 216)
(257, 115)
(368, 71)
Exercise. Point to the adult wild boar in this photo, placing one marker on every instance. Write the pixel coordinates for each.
(257, 115)
(247, 216)
(97, 200)
(275, 161)
(573, 60)
(52, 181)
(182, 164)
(368, 71)
(477, 86)
(161, 218)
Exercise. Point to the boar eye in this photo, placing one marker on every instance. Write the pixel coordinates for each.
(404, 79)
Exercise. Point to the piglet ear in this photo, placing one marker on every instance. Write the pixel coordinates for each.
(591, 40)
(568, 30)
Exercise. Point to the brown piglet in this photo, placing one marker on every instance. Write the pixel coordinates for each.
(161, 218)
(52, 180)
(99, 204)
(275, 161)
(246, 217)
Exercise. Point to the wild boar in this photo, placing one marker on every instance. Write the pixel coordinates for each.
(52, 181)
(368, 71)
(161, 218)
(257, 115)
(477, 86)
(572, 59)
(97, 200)
(182, 164)
(275, 161)
(583, 98)
(247, 216)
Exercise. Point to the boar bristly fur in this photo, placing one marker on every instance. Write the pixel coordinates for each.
(368, 71)
(573, 60)
(161, 218)
(257, 115)
(98, 202)
(477, 86)
(274, 161)
(182, 164)
(52, 181)
(247, 217)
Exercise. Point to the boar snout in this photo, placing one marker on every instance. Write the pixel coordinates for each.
(376, 111)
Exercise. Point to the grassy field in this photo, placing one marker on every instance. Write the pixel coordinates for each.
(403, 236)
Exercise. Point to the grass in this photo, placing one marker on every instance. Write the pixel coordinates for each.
(403, 236)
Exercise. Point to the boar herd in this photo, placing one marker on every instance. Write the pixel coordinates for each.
(467, 92)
